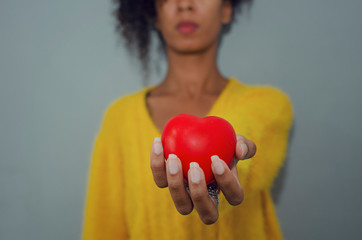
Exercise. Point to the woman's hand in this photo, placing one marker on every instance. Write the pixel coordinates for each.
(170, 174)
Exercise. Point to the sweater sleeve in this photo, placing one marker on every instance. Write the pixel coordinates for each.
(104, 209)
(272, 119)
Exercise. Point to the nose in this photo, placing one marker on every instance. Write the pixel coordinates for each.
(185, 5)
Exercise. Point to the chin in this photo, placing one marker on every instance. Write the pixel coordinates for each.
(190, 51)
(190, 48)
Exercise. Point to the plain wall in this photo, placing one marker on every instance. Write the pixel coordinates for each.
(61, 65)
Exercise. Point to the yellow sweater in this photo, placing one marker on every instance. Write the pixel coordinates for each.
(123, 202)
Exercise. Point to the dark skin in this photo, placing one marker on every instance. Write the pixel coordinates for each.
(163, 104)
(192, 84)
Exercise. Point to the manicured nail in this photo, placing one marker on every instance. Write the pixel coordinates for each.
(173, 167)
(157, 146)
(218, 167)
(244, 150)
(194, 172)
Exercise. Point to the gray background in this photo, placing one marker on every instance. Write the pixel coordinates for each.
(61, 65)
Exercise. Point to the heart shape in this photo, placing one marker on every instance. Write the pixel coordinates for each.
(195, 139)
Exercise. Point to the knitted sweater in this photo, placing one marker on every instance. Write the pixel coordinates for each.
(123, 202)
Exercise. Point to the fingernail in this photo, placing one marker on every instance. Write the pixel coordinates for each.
(194, 172)
(173, 167)
(157, 146)
(218, 167)
(244, 150)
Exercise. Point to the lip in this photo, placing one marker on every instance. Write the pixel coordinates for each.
(187, 26)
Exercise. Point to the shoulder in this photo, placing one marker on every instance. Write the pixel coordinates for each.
(124, 105)
(127, 101)
(262, 93)
(269, 97)
(264, 101)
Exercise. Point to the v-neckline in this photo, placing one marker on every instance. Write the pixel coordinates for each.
(210, 113)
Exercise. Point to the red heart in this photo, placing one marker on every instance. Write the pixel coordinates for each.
(195, 139)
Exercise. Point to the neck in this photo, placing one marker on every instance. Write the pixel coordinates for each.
(193, 73)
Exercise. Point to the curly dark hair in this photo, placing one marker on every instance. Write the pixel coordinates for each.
(135, 22)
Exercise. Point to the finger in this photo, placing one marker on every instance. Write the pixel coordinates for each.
(176, 185)
(205, 205)
(227, 180)
(158, 165)
(244, 148)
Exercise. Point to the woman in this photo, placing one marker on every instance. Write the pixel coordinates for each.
(128, 200)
